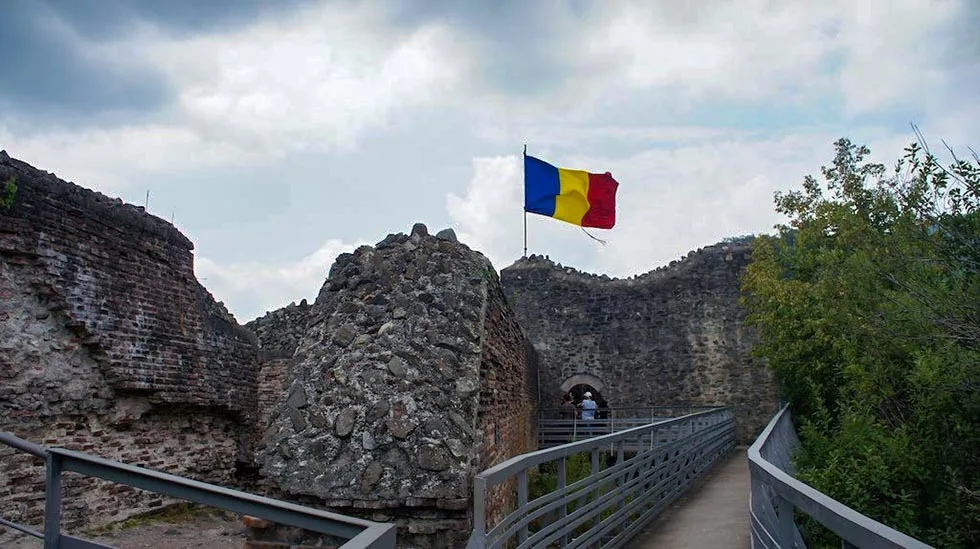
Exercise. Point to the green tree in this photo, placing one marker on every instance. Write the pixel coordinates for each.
(9, 191)
(867, 304)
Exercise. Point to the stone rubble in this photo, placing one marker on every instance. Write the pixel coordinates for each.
(391, 396)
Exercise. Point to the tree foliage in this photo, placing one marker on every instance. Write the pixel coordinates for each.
(7, 193)
(867, 305)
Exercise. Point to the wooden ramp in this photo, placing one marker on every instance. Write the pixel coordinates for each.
(713, 513)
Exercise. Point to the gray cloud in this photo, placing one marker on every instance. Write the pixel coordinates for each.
(48, 65)
(99, 19)
(44, 70)
(523, 47)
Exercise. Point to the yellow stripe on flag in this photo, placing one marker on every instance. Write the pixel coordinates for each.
(573, 199)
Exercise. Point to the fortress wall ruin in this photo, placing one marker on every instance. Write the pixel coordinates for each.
(673, 336)
(109, 345)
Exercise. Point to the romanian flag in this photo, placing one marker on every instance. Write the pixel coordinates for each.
(575, 196)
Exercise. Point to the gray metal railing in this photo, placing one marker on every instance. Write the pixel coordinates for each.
(638, 412)
(608, 506)
(557, 426)
(775, 493)
(362, 534)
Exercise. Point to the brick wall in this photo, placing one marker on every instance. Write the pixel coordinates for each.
(108, 345)
(185, 442)
(277, 333)
(507, 420)
(125, 283)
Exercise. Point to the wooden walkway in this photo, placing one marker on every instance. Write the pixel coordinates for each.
(713, 513)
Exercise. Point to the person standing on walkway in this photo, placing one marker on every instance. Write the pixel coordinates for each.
(567, 407)
(588, 411)
(567, 414)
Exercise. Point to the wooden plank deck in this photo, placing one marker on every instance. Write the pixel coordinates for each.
(713, 513)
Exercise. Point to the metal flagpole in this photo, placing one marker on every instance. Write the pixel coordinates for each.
(524, 163)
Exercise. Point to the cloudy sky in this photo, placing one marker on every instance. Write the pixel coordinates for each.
(277, 134)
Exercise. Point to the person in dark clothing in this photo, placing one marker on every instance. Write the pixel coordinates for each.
(603, 412)
(567, 407)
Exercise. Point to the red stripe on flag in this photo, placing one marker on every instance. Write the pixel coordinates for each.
(602, 201)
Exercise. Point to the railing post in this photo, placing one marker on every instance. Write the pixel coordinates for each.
(612, 423)
(594, 472)
(563, 510)
(522, 502)
(621, 480)
(785, 511)
(479, 511)
(52, 503)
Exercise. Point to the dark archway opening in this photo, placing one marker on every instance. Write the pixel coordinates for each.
(577, 392)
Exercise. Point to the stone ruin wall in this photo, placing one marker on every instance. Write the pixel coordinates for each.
(278, 334)
(109, 345)
(408, 375)
(673, 336)
(507, 424)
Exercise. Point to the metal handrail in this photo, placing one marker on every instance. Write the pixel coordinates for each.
(360, 533)
(557, 426)
(633, 491)
(628, 411)
(776, 493)
(25, 446)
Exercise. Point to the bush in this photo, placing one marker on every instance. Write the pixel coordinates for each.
(867, 305)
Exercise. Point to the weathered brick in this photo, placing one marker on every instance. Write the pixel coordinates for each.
(108, 266)
(99, 300)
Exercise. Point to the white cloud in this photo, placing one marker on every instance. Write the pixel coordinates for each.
(328, 77)
(678, 199)
(249, 289)
(873, 54)
(324, 76)
(315, 79)
(318, 78)
(488, 216)
(110, 160)
(889, 52)
(744, 50)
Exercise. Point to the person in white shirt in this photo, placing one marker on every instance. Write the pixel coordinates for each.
(588, 406)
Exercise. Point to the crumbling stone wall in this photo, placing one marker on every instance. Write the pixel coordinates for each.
(410, 373)
(278, 334)
(393, 400)
(125, 282)
(109, 345)
(505, 392)
(671, 336)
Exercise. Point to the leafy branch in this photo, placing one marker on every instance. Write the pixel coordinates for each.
(9, 192)
(867, 305)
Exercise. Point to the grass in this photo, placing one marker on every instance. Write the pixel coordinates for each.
(177, 513)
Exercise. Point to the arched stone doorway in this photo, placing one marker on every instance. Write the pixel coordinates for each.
(583, 379)
(578, 384)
